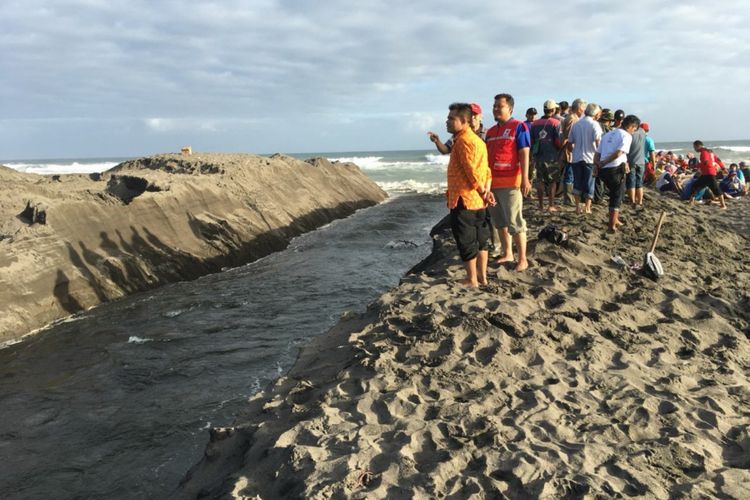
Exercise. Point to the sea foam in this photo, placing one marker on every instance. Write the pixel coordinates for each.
(61, 168)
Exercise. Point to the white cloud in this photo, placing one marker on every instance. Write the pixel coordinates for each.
(254, 69)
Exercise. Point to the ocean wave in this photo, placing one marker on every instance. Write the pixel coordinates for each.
(363, 162)
(412, 186)
(429, 163)
(61, 168)
(437, 159)
(735, 149)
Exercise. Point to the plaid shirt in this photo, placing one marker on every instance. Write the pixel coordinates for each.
(468, 170)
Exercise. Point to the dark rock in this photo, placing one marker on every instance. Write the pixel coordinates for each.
(128, 187)
(33, 214)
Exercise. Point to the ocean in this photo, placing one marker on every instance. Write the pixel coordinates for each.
(116, 402)
(397, 172)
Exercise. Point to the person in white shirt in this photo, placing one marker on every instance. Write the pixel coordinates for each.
(611, 164)
(585, 135)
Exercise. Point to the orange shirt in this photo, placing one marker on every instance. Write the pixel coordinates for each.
(467, 170)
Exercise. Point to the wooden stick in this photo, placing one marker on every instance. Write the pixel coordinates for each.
(658, 228)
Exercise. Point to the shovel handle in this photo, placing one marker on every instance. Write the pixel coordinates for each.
(658, 229)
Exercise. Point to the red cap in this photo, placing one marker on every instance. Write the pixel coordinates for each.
(476, 109)
(645, 126)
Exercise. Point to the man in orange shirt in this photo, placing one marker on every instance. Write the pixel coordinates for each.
(469, 181)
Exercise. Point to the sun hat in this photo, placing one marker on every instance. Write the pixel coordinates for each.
(550, 104)
(645, 126)
(476, 108)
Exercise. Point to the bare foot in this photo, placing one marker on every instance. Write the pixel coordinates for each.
(522, 265)
(588, 210)
(468, 283)
(483, 282)
(553, 208)
(503, 260)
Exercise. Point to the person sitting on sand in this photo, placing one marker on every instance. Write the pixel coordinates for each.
(476, 125)
(668, 181)
(611, 164)
(508, 144)
(731, 185)
(469, 183)
(707, 165)
(745, 169)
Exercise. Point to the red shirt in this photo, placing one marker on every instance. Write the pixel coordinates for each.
(708, 161)
(503, 143)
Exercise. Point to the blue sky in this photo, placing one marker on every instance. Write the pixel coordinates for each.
(104, 78)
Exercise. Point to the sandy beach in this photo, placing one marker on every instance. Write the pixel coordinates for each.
(579, 378)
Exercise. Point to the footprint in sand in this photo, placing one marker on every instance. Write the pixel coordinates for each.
(485, 355)
(648, 328)
(641, 417)
(555, 301)
(706, 419)
(656, 356)
(504, 323)
(736, 451)
(468, 343)
(611, 307)
(618, 363)
(426, 452)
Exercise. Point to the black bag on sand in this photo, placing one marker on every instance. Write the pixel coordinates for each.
(553, 234)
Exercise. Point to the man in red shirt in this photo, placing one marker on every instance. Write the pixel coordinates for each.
(508, 145)
(707, 164)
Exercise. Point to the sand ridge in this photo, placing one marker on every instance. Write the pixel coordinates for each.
(576, 379)
(152, 221)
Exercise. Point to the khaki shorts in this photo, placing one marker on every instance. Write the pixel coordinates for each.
(548, 172)
(509, 210)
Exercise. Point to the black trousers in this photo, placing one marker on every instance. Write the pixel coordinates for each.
(471, 229)
(614, 179)
(708, 181)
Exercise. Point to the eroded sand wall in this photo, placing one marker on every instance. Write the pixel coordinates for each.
(153, 221)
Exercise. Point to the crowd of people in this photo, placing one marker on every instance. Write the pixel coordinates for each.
(580, 152)
(681, 175)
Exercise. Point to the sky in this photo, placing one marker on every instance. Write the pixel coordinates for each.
(122, 78)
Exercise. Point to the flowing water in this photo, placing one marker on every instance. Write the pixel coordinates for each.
(116, 402)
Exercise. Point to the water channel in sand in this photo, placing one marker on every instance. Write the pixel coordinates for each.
(116, 402)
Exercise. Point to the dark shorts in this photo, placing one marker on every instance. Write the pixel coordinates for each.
(548, 172)
(471, 230)
(708, 181)
(614, 179)
(634, 179)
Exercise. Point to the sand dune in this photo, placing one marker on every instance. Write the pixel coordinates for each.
(69, 242)
(576, 379)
